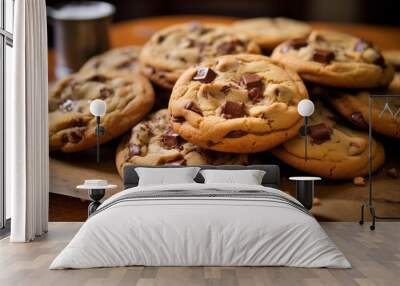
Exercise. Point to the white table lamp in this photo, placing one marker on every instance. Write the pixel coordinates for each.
(305, 108)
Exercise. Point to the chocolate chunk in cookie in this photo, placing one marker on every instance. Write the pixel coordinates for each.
(160, 39)
(105, 92)
(323, 56)
(362, 45)
(134, 150)
(251, 80)
(193, 107)
(194, 26)
(178, 119)
(226, 48)
(320, 133)
(253, 83)
(357, 119)
(201, 46)
(229, 47)
(67, 105)
(236, 134)
(233, 109)
(298, 43)
(170, 140)
(204, 75)
(129, 64)
(255, 94)
(225, 89)
(380, 61)
(75, 135)
(98, 77)
(178, 162)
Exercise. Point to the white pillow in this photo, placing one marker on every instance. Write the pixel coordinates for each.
(164, 176)
(248, 177)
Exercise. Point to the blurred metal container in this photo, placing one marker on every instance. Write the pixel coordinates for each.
(80, 32)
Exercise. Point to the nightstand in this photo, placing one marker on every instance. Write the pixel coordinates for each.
(305, 190)
(96, 191)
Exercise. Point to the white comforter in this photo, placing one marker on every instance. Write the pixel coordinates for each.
(200, 231)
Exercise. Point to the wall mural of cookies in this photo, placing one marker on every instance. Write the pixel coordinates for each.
(211, 94)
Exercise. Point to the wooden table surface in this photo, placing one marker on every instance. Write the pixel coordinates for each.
(339, 200)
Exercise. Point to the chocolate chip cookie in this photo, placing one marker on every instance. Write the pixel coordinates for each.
(270, 32)
(172, 50)
(129, 97)
(353, 106)
(124, 60)
(237, 103)
(335, 59)
(334, 150)
(153, 142)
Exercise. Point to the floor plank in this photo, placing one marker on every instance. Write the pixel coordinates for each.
(375, 257)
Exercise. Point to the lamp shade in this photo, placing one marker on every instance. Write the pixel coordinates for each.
(305, 107)
(98, 107)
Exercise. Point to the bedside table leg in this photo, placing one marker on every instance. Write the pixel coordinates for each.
(95, 195)
(305, 193)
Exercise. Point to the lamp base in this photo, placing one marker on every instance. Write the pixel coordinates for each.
(302, 131)
(95, 195)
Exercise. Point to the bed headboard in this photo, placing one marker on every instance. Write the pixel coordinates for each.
(271, 178)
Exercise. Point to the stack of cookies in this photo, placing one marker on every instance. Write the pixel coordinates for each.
(228, 101)
(113, 77)
(341, 69)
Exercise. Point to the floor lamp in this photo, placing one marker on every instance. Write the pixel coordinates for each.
(370, 204)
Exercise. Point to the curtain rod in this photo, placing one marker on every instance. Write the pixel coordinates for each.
(384, 95)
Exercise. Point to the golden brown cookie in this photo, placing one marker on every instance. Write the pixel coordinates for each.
(334, 150)
(354, 107)
(152, 142)
(129, 97)
(335, 59)
(171, 51)
(237, 103)
(270, 32)
(124, 60)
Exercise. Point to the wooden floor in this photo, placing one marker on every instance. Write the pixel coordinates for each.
(375, 257)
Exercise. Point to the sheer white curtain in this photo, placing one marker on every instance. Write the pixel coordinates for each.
(26, 124)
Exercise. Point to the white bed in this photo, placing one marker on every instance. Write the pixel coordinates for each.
(222, 225)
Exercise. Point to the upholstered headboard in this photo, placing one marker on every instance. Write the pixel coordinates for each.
(271, 178)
